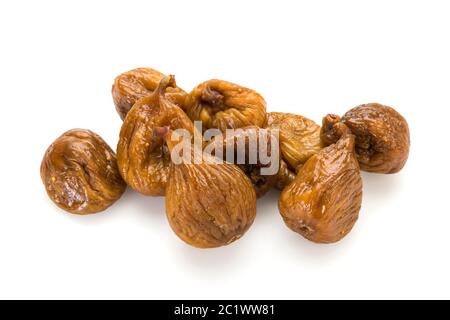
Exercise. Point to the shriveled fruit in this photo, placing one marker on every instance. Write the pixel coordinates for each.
(225, 105)
(208, 204)
(143, 158)
(323, 202)
(285, 176)
(135, 84)
(79, 171)
(382, 136)
(253, 150)
(299, 137)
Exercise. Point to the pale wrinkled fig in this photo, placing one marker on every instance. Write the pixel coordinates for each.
(138, 83)
(225, 105)
(143, 159)
(251, 157)
(382, 136)
(208, 205)
(323, 202)
(79, 171)
(299, 137)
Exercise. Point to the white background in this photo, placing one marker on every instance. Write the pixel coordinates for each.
(57, 63)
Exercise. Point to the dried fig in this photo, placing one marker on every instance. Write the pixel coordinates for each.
(323, 202)
(285, 176)
(209, 204)
(299, 137)
(143, 158)
(382, 136)
(253, 149)
(80, 174)
(135, 84)
(224, 105)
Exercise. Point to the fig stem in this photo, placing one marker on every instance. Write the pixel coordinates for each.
(330, 120)
(168, 81)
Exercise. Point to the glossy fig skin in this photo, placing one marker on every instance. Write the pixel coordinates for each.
(323, 202)
(138, 83)
(209, 205)
(79, 171)
(225, 105)
(285, 176)
(240, 142)
(382, 136)
(299, 137)
(143, 159)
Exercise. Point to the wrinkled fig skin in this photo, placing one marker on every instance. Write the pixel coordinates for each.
(224, 105)
(285, 176)
(135, 84)
(208, 205)
(323, 202)
(143, 159)
(80, 174)
(382, 136)
(299, 137)
(261, 183)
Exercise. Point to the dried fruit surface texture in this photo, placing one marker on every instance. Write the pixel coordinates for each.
(135, 84)
(299, 137)
(225, 105)
(323, 202)
(284, 177)
(382, 136)
(209, 205)
(253, 149)
(143, 158)
(80, 173)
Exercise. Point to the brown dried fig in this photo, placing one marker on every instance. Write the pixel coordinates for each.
(253, 150)
(323, 202)
(135, 84)
(382, 136)
(299, 137)
(285, 176)
(224, 105)
(143, 159)
(209, 204)
(80, 174)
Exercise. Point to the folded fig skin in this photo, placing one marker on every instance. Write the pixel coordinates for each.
(299, 137)
(143, 159)
(80, 174)
(224, 105)
(208, 204)
(138, 83)
(323, 202)
(382, 136)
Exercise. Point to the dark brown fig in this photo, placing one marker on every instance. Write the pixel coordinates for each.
(208, 204)
(299, 137)
(255, 151)
(80, 173)
(135, 84)
(382, 136)
(144, 159)
(323, 202)
(225, 105)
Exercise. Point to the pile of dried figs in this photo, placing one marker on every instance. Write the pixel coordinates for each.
(213, 203)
